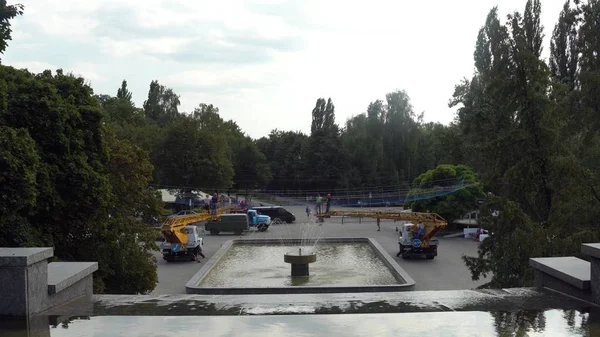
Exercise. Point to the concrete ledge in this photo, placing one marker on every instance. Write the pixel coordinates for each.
(62, 275)
(591, 249)
(405, 282)
(515, 299)
(23, 257)
(571, 270)
(83, 289)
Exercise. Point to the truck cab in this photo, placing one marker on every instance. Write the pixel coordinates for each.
(190, 250)
(261, 222)
(412, 244)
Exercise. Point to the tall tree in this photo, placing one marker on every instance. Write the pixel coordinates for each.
(124, 94)
(162, 104)
(7, 13)
(543, 208)
(323, 156)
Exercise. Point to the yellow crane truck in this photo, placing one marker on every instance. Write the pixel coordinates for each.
(416, 238)
(181, 238)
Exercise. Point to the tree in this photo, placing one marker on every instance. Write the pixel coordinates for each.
(322, 155)
(505, 253)
(451, 206)
(7, 13)
(162, 104)
(77, 208)
(124, 94)
(532, 128)
(130, 172)
(193, 157)
(19, 163)
(284, 154)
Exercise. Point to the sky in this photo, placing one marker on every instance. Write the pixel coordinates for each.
(264, 63)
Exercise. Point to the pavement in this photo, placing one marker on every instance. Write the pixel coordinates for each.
(446, 272)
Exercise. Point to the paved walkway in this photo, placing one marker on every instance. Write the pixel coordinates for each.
(446, 272)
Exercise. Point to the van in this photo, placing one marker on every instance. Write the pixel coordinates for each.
(276, 213)
(236, 223)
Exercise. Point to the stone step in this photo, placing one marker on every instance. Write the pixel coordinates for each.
(61, 275)
(591, 249)
(569, 269)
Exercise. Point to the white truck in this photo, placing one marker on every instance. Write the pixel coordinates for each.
(413, 243)
(190, 250)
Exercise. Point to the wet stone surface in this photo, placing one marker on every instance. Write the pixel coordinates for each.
(416, 301)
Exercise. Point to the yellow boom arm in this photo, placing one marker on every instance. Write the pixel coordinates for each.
(432, 221)
(173, 229)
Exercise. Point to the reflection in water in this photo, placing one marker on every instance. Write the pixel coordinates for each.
(527, 323)
(340, 264)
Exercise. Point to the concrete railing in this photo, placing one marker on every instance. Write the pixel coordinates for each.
(570, 275)
(30, 285)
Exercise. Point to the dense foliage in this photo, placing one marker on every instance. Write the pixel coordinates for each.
(531, 129)
(453, 205)
(67, 183)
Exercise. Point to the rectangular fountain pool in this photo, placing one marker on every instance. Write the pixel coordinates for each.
(257, 266)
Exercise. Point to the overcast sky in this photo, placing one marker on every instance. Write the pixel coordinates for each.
(264, 63)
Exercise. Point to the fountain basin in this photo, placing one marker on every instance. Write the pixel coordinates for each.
(300, 259)
(255, 266)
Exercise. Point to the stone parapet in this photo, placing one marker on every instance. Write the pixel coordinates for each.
(29, 285)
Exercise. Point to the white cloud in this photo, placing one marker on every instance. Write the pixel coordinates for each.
(33, 66)
(264, 60)
(90, 71)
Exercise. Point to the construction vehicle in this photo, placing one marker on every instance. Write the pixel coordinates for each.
(417, 234)
(181, 238)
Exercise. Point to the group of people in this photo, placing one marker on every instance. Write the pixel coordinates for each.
(211, 203)
(319, 205)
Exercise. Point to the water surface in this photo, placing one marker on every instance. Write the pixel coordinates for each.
(338, 264)
(460, 324)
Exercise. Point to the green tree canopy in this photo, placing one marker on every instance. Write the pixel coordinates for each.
(453, 205)
(79, 206)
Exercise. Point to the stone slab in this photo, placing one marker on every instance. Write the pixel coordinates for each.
(23, 257)
(591, 249)
(64, 274)
(568, 269)
(81, 289)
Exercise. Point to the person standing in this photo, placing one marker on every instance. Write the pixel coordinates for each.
(328, 202)
(318, 206)
(213, 204)
(207, 203)
(308, 211)
(378, 224)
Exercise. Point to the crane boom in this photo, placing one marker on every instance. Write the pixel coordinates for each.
(433, 222)
(173, 229)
